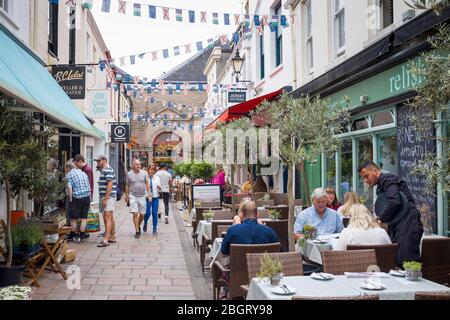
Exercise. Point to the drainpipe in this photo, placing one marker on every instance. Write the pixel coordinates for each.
(292, 5)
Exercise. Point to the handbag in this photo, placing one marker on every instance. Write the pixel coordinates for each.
(93, 222)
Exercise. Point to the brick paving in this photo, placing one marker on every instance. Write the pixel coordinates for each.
(149, 268)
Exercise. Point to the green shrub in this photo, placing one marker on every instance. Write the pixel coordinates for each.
(26, 232)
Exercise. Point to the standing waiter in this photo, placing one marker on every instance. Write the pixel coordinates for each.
(400, 212)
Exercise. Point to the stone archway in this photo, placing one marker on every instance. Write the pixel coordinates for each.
(164, 144)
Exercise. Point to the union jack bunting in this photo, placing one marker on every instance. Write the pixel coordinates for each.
(237, 19)
(203, 16)
(265, 20)
(260, 30)
(185, 88)
(154, 55)
(187, 48)
(223, 39)
(122, 7)
(71, 2)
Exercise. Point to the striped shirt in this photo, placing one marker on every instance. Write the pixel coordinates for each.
(78, 181)
(106, 175)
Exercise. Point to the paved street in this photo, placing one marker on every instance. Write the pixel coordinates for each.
(162, 267)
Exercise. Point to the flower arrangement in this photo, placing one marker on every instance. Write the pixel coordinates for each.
(208, 215)
(274, 214)
(309, 231)
(412, 270)
(270, 268)
(15, 293)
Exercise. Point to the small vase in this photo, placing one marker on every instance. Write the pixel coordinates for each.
(275, 279)
(413, 275)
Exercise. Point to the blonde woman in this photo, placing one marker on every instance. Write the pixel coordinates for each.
(362, 229)
(350, 198)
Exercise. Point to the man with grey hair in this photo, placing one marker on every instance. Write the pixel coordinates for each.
(78, 193)
(323, 219)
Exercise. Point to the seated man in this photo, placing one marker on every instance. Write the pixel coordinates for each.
(325, 220)
(249, 231)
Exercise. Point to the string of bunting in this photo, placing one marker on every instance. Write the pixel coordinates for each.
(180, 15)
(170, 121)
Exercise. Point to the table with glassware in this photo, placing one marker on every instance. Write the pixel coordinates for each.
(386, 286)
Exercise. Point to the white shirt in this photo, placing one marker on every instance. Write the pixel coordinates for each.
(155, 183)
(164, 177)
(356, 236)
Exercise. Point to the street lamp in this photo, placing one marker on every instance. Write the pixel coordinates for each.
(238, 63)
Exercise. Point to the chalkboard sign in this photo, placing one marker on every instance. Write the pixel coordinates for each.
(410, 152)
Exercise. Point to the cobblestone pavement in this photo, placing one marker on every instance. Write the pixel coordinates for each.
(162, 267)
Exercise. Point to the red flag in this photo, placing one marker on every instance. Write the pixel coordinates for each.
(260, 30)
(122, 7)
(265, 20)
(166, 13)
(223, 39)
(237, 19)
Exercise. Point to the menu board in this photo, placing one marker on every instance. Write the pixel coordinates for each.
(206, 192)
(410, 151)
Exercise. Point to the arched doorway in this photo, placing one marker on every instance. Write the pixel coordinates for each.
(165, 147)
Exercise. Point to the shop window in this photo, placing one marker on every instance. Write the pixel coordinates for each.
(360, 124)
(346, 182)
(365, 152)
(382, 118)
(331, 171)
(387, 153)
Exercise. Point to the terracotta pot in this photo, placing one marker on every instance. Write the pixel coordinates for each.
(16, 215)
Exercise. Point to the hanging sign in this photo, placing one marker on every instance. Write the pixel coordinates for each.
(72, 79)
(99, 103)
(237, 96)
(120, 132)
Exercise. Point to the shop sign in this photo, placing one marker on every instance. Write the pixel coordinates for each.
(120, 132)
(99, 103)
(72, 79)
(237, 96)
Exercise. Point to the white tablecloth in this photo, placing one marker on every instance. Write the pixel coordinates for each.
(396, 288)
(216, 255)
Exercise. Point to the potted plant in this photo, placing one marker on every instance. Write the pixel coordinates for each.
(26, 239)
(274, 214)
(426, 217)
(412, 270)
(309, 231)
(271, 268)
(15, 293)
(208, 215)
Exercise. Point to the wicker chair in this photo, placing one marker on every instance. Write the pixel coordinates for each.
(208, 204)
(222, 230)
(362, 297)
(338, 262)
(291, 261)
(238, 271)
(436, 259)
(263, 203)
(206, 241)
(423, 295)
(223, 215)
(385, 253)
(199, 216)
(263, 214)
(281, 229)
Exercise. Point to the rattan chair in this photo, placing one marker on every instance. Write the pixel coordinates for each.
(209, 204)
(362, 297)
(223, 215)
(436, 259)
(281, 228)
(385, 253)
(338, 262)
(206, 241)
(238, 271)
(263, 203)
(291, 261)
(199, 216)
(423, 295)
(263, 214)
(222, 230)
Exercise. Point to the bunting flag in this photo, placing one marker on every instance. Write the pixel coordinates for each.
(152, 12)
(166, 14)
(292, 16)
(106, 6)
(203, 16)
(265, 20)
(132, 59)
(199, 46)
(154, 55)
(237, 19)
(87, 4)
(187, 48)
(191, 16)
(137, 10)
(283, 21)
(256, 20)
(176, 51)
(179, 15)
(185, 88)
(136, 80)
(223, 39)
(71, 3)
(162, 86)
(141, 56)
(260, 30)
(247, 21)
(215, 18)
(210, 43)
(274, 24)
(236, 38)
(122, 61)
(165, 53)
(122, 7)
(226, 19)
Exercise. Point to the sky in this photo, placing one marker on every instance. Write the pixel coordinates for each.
(127, 35)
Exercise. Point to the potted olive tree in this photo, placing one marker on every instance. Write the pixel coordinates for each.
(271, 268)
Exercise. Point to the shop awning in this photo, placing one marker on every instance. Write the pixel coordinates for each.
(23, 76)
(243, 108)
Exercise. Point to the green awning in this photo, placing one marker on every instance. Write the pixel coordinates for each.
(25, 78)
(100, 132)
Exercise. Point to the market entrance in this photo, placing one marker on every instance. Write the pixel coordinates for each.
(167, 145)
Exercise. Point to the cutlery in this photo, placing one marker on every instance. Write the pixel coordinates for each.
(286, 289)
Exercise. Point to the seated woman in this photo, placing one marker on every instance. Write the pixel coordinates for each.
(350, 198)
(362, 229)
(333, 202)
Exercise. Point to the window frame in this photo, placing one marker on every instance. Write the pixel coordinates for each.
(309, 37)
(5, 7)
(53, 11)
(338, 12)
(262, 60)
(72, 36)
(278, 37)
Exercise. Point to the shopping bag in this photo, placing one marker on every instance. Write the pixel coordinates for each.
(93, 222)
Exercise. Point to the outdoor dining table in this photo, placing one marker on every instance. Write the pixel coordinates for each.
(396, 288)
(216, 255)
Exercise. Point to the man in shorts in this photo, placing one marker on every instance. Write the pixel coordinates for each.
(107, 188)
(79, 196)
(137, 191)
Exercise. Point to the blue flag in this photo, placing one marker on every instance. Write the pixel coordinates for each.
(166, 53)
(191, 16)
(152, 12)
(106, 5)
(236, 37)
(226, 19)
(199, 46)
(257, 21)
